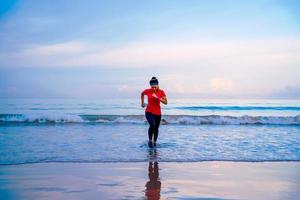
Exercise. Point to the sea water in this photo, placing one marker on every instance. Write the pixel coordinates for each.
(58, 130)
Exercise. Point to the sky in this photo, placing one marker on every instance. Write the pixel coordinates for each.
(110, 49)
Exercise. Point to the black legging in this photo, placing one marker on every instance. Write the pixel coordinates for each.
(154, 121)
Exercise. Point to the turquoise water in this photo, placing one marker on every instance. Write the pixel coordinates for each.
(132, 107)
(34, 131)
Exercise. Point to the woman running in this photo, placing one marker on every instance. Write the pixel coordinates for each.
(153, 111)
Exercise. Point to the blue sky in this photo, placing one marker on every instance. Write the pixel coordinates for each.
(110, 49)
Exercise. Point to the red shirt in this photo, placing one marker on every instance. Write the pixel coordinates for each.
(154, 103)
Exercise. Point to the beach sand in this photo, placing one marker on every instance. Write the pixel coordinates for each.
(143, 180)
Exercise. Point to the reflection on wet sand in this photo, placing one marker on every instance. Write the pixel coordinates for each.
(153, 186)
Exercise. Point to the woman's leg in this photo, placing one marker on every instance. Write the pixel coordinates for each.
(151, 121)
(157, 119)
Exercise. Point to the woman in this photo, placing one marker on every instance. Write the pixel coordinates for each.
(153, 111)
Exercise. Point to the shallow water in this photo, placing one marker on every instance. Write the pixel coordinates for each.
(128, 143)
(55, 130)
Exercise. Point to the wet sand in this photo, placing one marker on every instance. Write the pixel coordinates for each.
(143, 180)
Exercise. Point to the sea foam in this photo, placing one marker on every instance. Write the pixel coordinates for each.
(140, 119)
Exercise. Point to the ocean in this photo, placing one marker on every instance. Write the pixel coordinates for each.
(192, 130)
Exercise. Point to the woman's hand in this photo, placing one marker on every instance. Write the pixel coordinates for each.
(155, 96)
(161, 99)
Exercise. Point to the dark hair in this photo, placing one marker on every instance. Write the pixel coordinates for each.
(153, 81)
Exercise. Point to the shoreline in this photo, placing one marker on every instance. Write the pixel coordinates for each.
(138, 180)
(150, 160)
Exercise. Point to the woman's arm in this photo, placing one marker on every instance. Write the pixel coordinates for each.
(164, 100)
(142, 100)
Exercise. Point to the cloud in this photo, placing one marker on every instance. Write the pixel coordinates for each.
(147, 54)
(221, 85)
(267, 53)
(125, 88)
(66, 48)
(287, 92)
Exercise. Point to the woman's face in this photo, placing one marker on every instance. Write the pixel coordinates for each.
(154, 87)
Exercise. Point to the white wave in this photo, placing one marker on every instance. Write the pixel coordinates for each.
(140, 119)
(35, 118)
(130, 120)
(233, 120)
